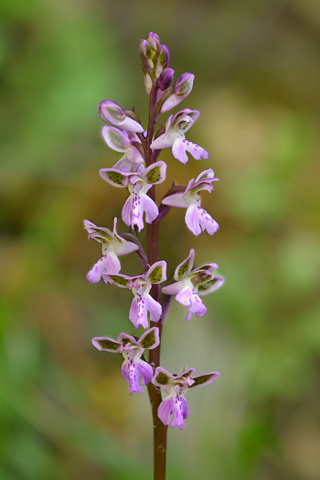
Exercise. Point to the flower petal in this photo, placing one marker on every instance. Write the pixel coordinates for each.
(179, 151)
(185, 267)
(116, 139)
(150, 339)
(106, 344)
(109, 260)
(157, 273)
(204, 379)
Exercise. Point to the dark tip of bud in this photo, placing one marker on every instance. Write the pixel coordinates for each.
(165, 78)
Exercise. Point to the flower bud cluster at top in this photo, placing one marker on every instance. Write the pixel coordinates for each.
(138, 171)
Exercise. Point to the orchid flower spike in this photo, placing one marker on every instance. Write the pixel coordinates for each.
(133, 368)
(174, 136)
(138, 184)
(176, 386)
(127, 142)
(189, 284)
(142, 303)
(113, 246)
(197, 219)
(110, 111)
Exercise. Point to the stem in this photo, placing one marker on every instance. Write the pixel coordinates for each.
(159, 429)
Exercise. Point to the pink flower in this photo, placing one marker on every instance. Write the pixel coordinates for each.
(190, 284)
(138, 183)
(143, 306)
(113, 246)
(127, 142)
(174, 136)
(176, 386)
(197, 219)
(133, 368)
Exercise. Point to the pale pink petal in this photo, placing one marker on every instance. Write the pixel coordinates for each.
(154, 308)
(178, 150)
(197, 152)
(149, 207)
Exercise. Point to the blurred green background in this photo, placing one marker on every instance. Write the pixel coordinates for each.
(65, 411)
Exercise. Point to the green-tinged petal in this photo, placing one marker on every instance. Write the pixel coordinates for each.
(157, 273)
(119, 280)
(150, 339)
(156, 173)
(162, 377)
(204, 379)
(105, 343)
(183, 270)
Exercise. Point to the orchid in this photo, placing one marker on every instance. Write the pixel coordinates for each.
(113, 246)
(174, 136)
(139, 171)
(197, 219)
(190, 284)
(138, 203)
(143, 303)
(176, 386)
(133, 368)
(127, 142)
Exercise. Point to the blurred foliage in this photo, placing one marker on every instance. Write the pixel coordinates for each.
(64, 408)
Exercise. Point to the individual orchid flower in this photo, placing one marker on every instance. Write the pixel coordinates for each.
(142, 303)
(138, 183)
(189, 284)
(127, 142)
(133, 367)
(176, 386)
(113, 246)
(197, 219)
(174, 136)
(110, 111)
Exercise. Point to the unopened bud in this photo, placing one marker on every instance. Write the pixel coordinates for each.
(184, 84)
(154, 41)
(165, 78)
(164, 56)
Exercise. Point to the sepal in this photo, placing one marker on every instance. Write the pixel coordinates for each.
(204, 379)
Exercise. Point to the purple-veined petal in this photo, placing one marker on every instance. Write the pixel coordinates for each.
(188, 297)
(132, 212)
(179, 151)
(138, 313)
(196, 151)
(106, 263)
(133, 368)
(180, 412)
(198, 220)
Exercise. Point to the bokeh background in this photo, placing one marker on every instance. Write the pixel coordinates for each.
(65, 412)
